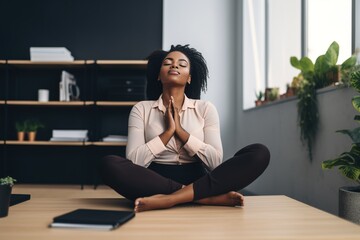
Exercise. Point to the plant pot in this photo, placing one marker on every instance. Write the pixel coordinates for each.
(31, 136)
(258, 103)
(290, 91)
(349, 203)
(5, 193)
(21, 136)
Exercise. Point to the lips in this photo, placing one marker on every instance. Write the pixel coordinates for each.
(173, 72)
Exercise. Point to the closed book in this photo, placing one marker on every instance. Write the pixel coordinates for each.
(56, 50)
(52, 59)
(92, 218)
(115, 138)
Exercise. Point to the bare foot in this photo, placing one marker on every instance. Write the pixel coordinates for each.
(161, 201)
(158, 201)
(227, 199)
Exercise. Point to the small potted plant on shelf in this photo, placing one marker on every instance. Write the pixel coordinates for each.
(5, 193)
(32, 127)
(349, 164)
(290, 91)
(272, 94)
(259, 98)
(20, 129)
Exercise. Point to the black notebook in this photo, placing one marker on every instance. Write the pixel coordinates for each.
(18, 198)
(91, 218)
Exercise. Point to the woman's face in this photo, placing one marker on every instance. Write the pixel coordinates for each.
(175, 70)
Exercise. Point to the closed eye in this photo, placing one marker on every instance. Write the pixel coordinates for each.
(183, 63)
(167, 62)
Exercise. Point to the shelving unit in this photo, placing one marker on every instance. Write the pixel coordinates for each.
(47, 143)
(50, 103)
(108, 91)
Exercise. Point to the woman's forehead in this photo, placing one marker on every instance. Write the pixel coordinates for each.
(177, 55)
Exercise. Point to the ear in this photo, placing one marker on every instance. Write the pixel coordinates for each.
(189, 79)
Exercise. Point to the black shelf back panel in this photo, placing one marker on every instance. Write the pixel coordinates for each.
(90, 29)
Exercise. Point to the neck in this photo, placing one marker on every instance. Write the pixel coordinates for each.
(177, 94)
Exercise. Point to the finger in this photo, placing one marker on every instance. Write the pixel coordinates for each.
(170, 110)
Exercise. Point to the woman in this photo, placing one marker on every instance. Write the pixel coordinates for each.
(174, 152)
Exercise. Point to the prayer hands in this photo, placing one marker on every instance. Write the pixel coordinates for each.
(173, 125)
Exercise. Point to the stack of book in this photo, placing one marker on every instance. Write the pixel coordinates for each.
(69, 135)
(50, 54)
(115, 138)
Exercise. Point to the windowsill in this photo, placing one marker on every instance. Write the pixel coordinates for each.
(294, 98)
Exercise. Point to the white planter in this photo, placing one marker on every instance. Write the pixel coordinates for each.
(349, 203)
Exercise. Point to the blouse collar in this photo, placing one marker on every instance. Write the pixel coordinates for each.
(188, 103)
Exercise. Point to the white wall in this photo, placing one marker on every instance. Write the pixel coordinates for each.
(208, 26)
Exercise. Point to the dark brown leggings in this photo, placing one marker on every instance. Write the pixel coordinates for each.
(133, 181)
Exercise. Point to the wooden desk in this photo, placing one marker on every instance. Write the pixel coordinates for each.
(263, 217)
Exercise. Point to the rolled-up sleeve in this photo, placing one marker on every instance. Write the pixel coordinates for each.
(138, 150)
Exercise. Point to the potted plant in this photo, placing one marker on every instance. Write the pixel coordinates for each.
(32, 127)
(290, 91)
(348, 164)
(20, 129)
(259, 98)
(314, 76)
(5, 193)
(272, 94)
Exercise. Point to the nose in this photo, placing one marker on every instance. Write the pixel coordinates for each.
(174, 65)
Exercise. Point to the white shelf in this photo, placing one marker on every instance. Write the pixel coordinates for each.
(109, 143)
(115, 103)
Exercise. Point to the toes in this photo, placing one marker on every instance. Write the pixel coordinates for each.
(138, 205)
(238, 198)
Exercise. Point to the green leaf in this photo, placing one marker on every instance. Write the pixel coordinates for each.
(321, 67)
(348, 163)
(356, 103)
(349, 63)
(331, 55)
(353, 134)
(355, 80)
(351, 172)
(357, 118)
(329, 164)
(7, 181)
(306, 64)
(295, 62)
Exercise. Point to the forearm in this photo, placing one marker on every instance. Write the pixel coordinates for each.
(182, 135)
(166, 136)
(210, 153)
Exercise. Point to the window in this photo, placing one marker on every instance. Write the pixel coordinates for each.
(253, 50)
(272, 33)
(328, 21)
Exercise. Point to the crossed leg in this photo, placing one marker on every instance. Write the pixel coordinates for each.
(215, 188)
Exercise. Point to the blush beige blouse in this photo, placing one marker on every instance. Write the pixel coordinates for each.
(199, 118)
